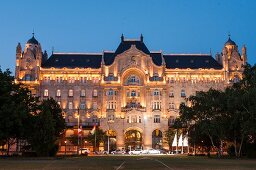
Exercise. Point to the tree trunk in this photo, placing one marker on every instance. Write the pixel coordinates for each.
(240, 148)
(235, 147)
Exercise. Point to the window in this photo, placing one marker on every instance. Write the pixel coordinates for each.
(156, 92)
(171, 106)
(133, 93)
(46, 94)
(171, 94)
(59, 79)
(58, 93)
(95, 93)
(128, 119)
(156, 118)
(71, 80)
(70, 93)
(110, 92)
(133, 79)
(183, 93)
(70, 105)
(27, 77)
(82, 93)
(134, 118)
(94, 105)
(111, 117)
(155, 77)
(156, 105)
(139, 119)
(82, 106)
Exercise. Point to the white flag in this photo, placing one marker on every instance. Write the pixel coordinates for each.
(180, 140)
(174, 143)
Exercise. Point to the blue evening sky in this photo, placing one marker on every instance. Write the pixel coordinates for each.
(174, 26)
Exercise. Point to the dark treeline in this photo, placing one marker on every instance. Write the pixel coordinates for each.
(224, 118)
(26, 122)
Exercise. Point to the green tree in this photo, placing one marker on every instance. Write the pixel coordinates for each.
(99, 135)
(47, 127)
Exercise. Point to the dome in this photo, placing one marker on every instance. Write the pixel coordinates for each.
(230, 42)
(32, 41)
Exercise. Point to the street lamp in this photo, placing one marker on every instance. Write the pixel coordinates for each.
(78, 119)
(65, 147)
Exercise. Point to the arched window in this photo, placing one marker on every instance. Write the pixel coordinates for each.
(58, 93)
(46, 94)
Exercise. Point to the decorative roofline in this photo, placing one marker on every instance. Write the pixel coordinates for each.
(70, 53)
(179, 54)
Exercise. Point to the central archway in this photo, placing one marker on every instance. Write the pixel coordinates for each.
(133, 139)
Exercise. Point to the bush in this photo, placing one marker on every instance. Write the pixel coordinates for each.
(231, 151)
(54, 150)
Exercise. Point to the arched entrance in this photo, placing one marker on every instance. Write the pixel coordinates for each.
(110, 141)
(157, 139)
(133, 139)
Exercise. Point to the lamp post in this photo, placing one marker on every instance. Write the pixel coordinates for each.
(65, 147)
(78, 119)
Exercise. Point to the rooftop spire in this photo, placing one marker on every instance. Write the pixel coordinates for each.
(33, 33)
(141, 37)
(122, 37)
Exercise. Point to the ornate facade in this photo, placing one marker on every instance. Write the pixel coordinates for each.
(132, 93)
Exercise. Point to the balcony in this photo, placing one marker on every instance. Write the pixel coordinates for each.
(133, 106)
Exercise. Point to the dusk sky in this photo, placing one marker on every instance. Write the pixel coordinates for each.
(93, 26)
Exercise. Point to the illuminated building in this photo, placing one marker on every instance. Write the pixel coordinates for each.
(132, 93)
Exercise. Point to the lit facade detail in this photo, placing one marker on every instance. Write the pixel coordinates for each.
(131, 92)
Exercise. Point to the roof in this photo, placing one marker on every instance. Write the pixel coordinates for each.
(127, 43)
(230, 42)
(157, 58)
(73, 60)
(193, 61)
(32, 41)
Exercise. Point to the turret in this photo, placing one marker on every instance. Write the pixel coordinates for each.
(244, 55)
(29, 61)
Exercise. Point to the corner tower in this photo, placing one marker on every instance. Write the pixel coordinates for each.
(232, 61)
(28, 62)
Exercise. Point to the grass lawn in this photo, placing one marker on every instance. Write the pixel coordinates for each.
(126, 162)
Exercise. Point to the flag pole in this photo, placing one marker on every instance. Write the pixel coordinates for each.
(95, 137)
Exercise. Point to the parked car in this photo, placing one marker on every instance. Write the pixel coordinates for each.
(118, 151)
(84, 151)
(153, 151)
(135, 152)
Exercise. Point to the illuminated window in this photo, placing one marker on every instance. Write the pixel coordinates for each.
(128, 119)
(46, 94)
(70, 105)
(70, 93)
(95, 93)
(156, 118)
(82, 93)
(58, 93)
